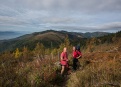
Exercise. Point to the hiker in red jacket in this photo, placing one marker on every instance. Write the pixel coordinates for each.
(76, 55)
(64, 60)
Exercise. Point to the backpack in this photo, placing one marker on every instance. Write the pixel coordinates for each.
(78, 48)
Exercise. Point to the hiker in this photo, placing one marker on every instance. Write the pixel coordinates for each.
(76, 55)
(64, 61)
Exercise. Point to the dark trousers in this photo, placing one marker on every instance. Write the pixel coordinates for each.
(75, 63)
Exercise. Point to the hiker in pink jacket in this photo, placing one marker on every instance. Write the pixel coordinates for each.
(64, 60)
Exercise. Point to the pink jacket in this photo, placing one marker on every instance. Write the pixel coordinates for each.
(65, 58)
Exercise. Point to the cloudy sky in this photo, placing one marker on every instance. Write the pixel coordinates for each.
(69, 15)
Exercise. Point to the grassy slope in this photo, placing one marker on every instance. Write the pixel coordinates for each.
(99, 69)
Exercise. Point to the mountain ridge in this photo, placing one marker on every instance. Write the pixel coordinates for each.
(30, 40)
(6, 35)
(45, 37)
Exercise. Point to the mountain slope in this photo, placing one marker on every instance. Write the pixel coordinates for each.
(48, 38)
(30, 40)
(100, 68)
(13, 34)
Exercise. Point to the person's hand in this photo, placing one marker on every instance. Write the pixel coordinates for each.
(62, 58)
(79, 57)
(67, 60)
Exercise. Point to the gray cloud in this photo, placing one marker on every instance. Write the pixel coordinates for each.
(85, 15)
(115, 26)
(110, 27)
(76, 5)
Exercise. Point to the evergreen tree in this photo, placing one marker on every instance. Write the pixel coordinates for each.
(25, 53)
(90, 44)
(54, 52)
(17, 53)
(39, 50)
(42, 50)
(65, 44)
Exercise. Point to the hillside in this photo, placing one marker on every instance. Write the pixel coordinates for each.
(5, 35)
(48, 38)
(98, 69)
(100, 65)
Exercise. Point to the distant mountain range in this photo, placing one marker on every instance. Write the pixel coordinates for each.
(46, 37)
(94, 34)
(5, 35)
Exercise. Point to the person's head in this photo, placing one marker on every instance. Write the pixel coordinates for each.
(64, 49)
(78, 48)
(74, 48)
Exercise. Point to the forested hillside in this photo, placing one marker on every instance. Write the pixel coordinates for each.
(47, 38)
(100, 65)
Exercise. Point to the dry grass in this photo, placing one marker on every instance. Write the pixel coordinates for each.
(35, 73)
(100, 69)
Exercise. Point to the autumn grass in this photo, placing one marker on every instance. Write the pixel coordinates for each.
(15, 72)
(100, 67)
(104, 70)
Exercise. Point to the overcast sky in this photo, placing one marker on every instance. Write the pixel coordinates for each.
(69, 15)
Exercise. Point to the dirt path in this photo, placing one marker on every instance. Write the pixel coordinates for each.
(67, 77)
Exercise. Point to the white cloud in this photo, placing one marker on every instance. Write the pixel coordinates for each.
(88, 15)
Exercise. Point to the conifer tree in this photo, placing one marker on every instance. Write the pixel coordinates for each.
(39, 50)
(90, 44)
(17, 53)
(54, 51)
(65, 44)
(25, 53)
(42, 50)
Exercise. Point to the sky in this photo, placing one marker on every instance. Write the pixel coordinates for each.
(68, 15)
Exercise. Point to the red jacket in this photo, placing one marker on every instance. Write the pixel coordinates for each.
(76, 54)
(65, 58)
